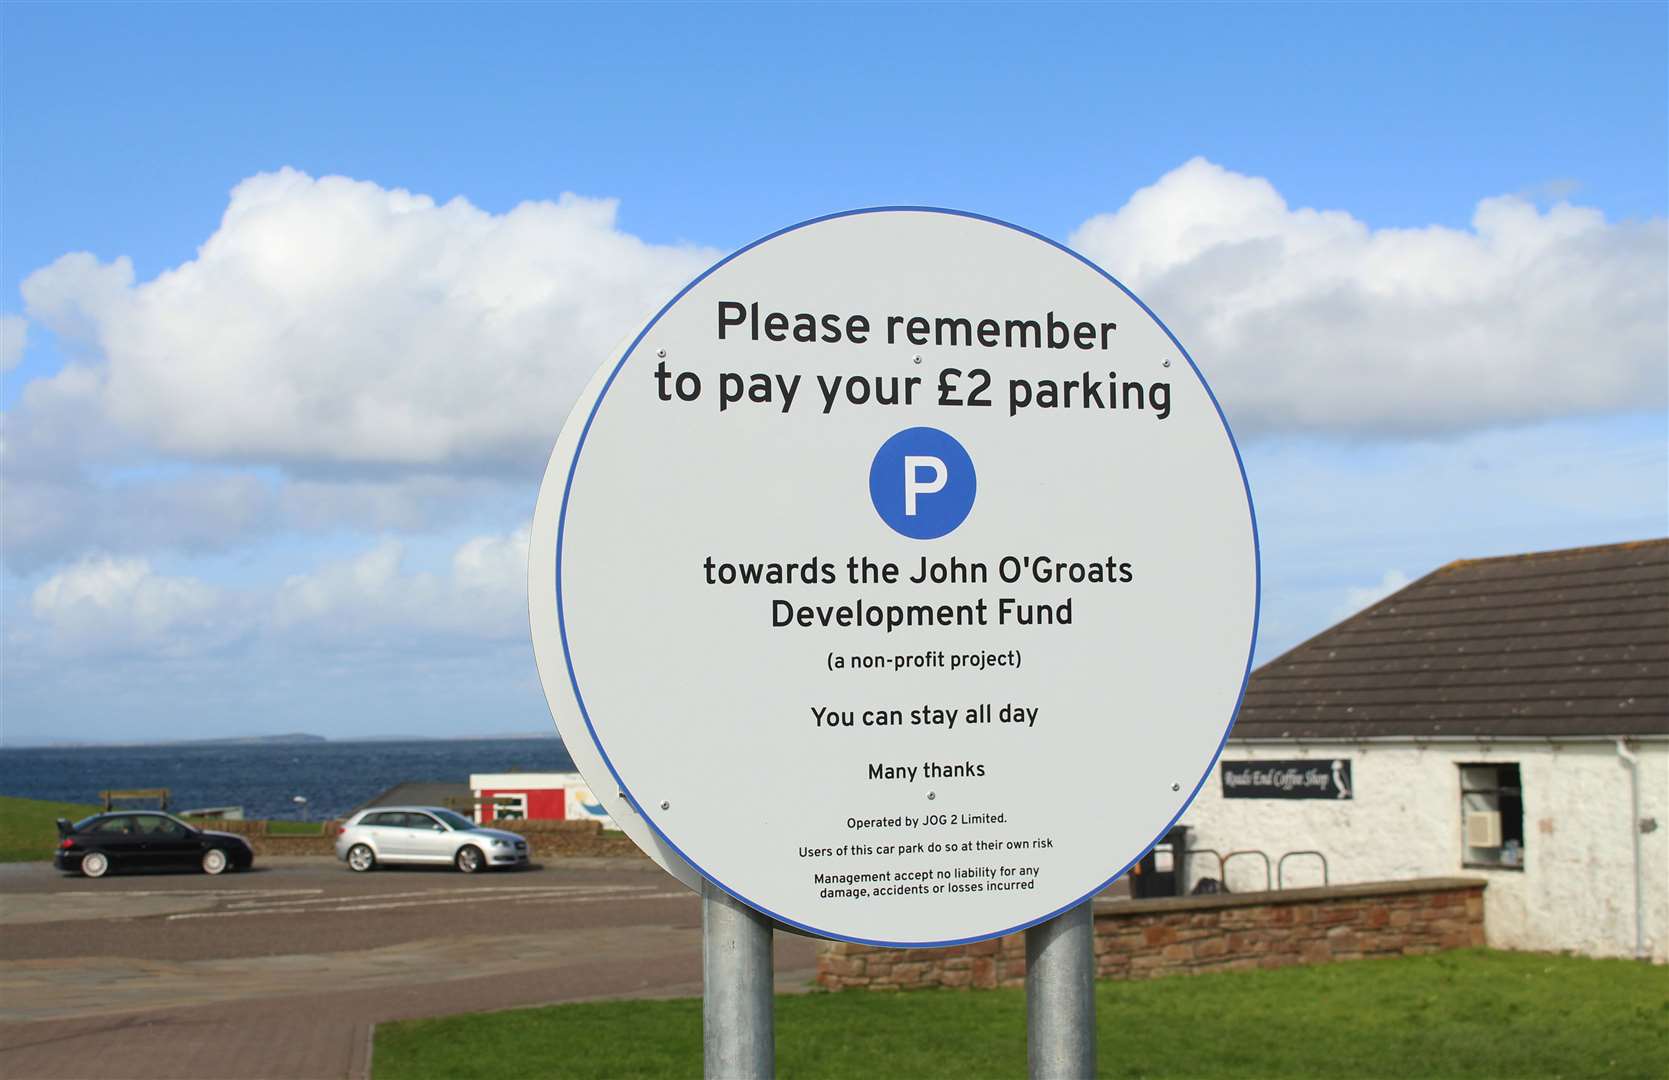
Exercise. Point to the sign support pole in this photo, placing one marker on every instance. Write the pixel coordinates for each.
(738, 1022)
(1060, 996)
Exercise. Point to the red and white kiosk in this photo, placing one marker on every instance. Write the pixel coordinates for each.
(521, 796)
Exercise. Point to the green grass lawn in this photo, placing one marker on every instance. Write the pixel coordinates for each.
(1466, 1014)
(27, 832)
(290, 828)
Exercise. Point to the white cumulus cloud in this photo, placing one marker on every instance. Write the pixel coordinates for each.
(493, 564)
(103, 605)
(344, 356)
(371, 600)
(1360, 597)
(331, 321)
(14, 338)
(1310, 320)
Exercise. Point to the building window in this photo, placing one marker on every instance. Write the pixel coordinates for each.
(500, 806)
(1491, 817)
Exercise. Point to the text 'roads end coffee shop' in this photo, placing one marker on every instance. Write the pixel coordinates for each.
(1506, 718)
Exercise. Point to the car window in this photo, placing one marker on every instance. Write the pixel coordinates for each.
(383, 818)
(421, 821)
(157, 824)
(167, 826)
(119, 825)
(457, 821)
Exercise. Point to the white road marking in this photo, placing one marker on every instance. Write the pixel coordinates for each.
(529, 896)
(492, 892)
(641, 896)
(191, 893)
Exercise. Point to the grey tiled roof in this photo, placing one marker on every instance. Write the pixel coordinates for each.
(1556, 643)
(420, 793)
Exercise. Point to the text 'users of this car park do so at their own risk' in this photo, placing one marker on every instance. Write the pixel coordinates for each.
(900, 576)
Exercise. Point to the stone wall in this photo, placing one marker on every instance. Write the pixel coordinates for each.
(319, 842)
(1144, 939)
(564, 838)
(290, 845)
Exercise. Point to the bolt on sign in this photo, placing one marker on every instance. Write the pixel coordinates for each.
(899, 577)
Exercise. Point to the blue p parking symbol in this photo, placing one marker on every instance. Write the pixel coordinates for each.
(922, 483)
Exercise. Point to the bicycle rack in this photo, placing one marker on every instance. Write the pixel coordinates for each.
(1268, 869)
(1280, 866)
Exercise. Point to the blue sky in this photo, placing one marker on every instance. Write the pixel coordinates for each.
(1481, 308)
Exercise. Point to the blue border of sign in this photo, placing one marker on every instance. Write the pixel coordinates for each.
(562, 622)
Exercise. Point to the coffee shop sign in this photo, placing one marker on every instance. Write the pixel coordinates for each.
(1286, 779)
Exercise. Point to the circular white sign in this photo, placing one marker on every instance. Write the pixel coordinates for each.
(902, 575)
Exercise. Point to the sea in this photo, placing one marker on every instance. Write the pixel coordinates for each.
(268, 779)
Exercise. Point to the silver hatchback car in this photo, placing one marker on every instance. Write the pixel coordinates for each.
(424, 834)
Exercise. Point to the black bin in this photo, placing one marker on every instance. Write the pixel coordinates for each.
(1148, 881)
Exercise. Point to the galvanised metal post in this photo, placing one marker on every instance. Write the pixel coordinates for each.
(738, 1012)
(1060, 996)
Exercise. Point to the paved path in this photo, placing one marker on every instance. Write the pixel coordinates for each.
(282, 972)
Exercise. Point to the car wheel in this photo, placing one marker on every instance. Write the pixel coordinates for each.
(361, 858)
(214, 861)
(95, 864)
(470, 859)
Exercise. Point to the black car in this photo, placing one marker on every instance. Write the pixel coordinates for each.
(134, 839)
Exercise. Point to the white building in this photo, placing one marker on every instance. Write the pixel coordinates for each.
(1498, 718)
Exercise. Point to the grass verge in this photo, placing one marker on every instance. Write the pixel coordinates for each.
(1462, 1015)
(278, 827)
(27, 832)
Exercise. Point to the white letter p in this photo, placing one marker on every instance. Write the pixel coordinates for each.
(914, 486)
